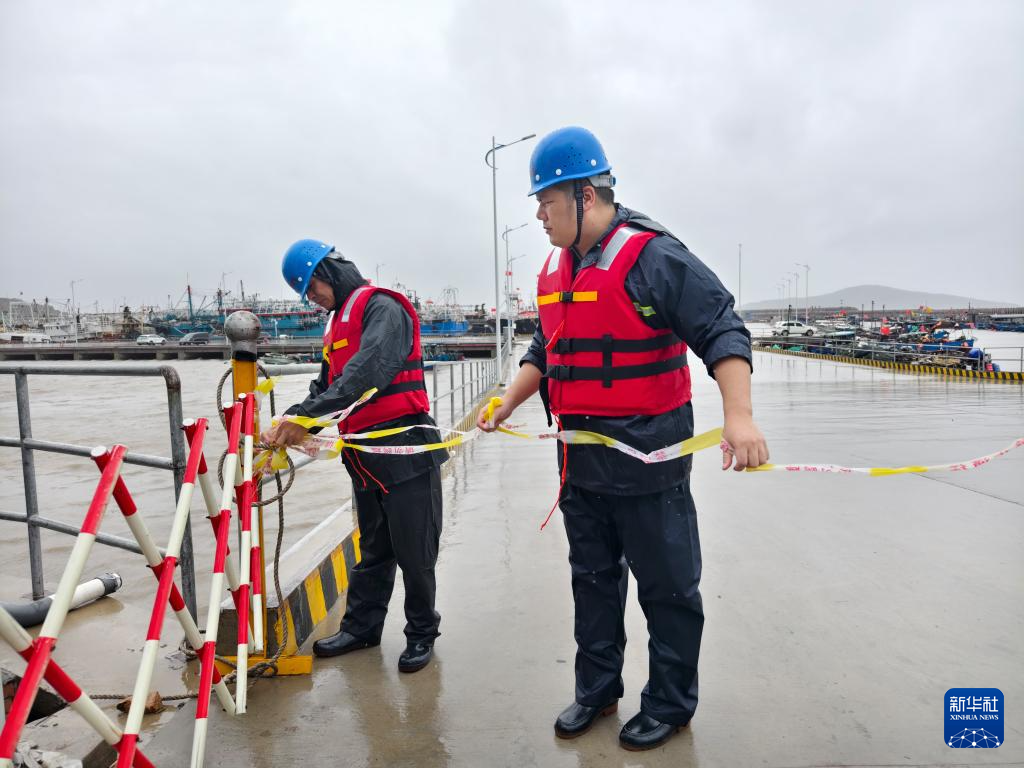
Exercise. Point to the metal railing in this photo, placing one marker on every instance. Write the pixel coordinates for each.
(28, 444)
(483, 376)
(1007, 356)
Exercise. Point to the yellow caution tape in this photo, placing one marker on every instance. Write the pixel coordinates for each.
(960, 466)
(583, 437)
(274, 460)
(331, 447)
(329, 420)
(264, 387)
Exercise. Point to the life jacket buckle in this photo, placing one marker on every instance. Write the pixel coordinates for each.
(560, 372)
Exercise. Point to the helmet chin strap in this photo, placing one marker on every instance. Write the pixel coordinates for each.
(578, 194)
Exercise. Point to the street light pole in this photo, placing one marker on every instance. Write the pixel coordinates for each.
(796, 292)
(490, 160)
(508, 282)
(807, 291)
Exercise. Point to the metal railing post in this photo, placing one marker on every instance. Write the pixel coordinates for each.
(179, 458)
(462, 367)
(433, 376)
(451, 395)
(28, 473)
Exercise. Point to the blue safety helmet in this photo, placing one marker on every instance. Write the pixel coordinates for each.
(299, 262)
(568, 153)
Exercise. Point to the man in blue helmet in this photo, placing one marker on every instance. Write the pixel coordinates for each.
(620, 299)
(372, 341)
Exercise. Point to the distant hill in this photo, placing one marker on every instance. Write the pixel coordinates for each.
(882, 295)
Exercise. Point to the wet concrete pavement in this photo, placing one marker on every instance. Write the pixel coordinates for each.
(839, 609)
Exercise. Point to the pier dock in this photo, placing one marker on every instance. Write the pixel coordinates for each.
(468, 346)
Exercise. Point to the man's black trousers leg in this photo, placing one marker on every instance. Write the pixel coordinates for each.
(599, 582)
(659, 536)
(414, 513)
(373, 578)
(399, 528)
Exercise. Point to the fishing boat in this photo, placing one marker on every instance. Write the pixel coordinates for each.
(1013, 323)
(446, 318)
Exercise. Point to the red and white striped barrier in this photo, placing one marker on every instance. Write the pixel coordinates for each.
(233, 418)
(244, 580)
(256, 573)
(212, 499)
(165, 572)
(21, 642)
(140, 531)
(244, 498)
(255, 557)
(42, 647)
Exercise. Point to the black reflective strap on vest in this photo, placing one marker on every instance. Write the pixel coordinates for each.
(570, 346)
(601, 373)
(406, 386)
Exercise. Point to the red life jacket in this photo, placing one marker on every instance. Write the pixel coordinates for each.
(603, 359)
(406, 394)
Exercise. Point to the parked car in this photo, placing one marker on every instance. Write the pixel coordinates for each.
(793, 328)
(196, 337)
(151, 339)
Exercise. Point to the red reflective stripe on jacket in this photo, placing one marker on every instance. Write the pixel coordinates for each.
(347, 324)
(577, 315)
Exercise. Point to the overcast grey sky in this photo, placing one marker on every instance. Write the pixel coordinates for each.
(141, 142)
